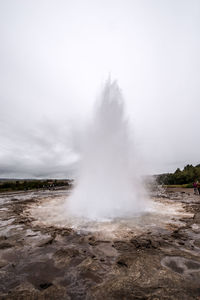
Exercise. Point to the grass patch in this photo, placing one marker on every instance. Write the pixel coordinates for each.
(186, 185)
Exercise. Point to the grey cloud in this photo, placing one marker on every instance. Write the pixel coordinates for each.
(54, 56)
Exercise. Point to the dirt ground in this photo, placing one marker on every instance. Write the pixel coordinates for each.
(45, 262)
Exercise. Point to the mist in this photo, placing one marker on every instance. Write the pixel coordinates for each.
(108, 184)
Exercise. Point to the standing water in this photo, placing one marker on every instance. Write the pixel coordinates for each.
(109, 184)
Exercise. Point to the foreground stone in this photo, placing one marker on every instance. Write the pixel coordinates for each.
(59, 263)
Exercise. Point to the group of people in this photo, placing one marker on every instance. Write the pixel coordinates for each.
(196, 186)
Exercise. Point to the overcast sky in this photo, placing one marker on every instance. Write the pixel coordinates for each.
(54, 58)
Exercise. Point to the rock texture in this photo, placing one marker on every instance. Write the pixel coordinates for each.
(59, 263)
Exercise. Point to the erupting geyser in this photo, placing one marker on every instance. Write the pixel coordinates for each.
(109, 184)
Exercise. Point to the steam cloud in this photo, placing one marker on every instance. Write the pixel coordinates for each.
(109, 184)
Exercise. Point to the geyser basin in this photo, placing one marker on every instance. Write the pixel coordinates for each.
(161, 214)
(109, 181)
(113, 260)
(108, 198)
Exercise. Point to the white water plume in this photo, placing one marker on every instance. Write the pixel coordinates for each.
(109, 185)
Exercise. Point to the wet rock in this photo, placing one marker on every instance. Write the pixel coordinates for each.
(65, 256)
(5, 245)
(72, 265)
(90, 275)
(3, 263)
(102, 259)
(197, 218)
(197, 243)
(181, 265)
(66, 231)
(181, 243)
(122, 246)
(90, 269)
(122, 288)
(192, 265)
(46, 241)
(69, 252)
(45, 285)
(27, 291)
(89, 264)
(40, 273)
(122, 263)
(178, 235)
(145, 243)
(54, 292)
(92, 241)
(173, 265)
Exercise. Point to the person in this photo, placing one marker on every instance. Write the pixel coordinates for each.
(195, 187)
(198, 187)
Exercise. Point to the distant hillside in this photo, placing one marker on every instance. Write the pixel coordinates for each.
(188, 175)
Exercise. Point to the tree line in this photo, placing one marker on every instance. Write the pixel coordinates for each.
(188, 175)
(17, 185)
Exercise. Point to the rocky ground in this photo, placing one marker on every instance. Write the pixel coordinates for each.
(45, 262)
